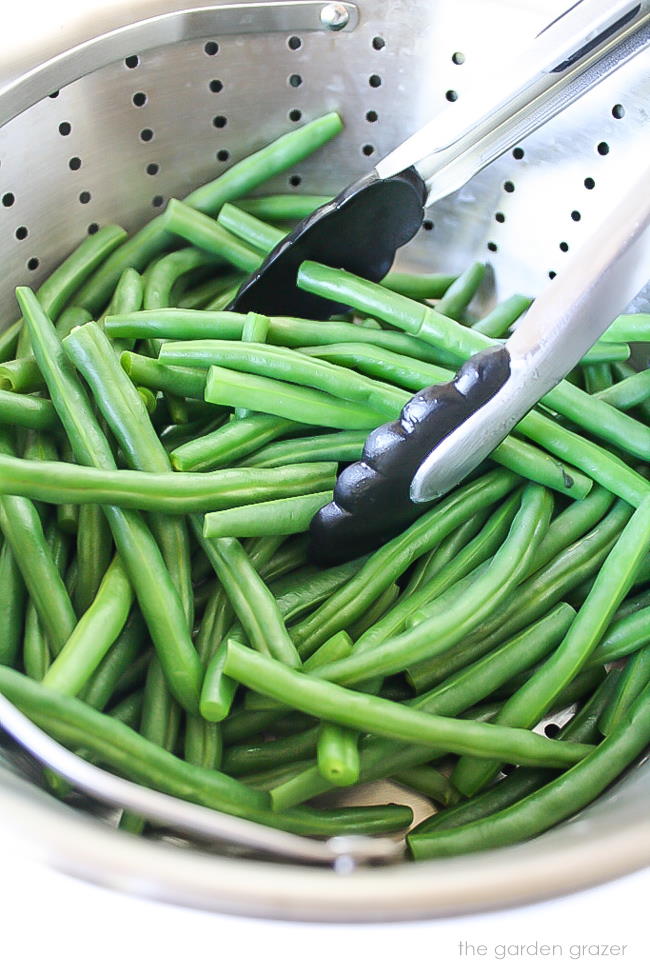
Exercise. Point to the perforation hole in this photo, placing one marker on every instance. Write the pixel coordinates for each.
(219, 121)
(451, 95)
(8, 200)
(84, 196)
(146, 135)
(576, 215)
(21, 233)
(367, 150)
(378, 43)
(211, 48)
(551, 274)
(92, 228)
(458, 57)
(374, 81)
(74, 163)
(153, 169)
(294, 43)
(589, 183)
(32, 263)
(427, 224)
(295, 180)
(216, 86)
(139, 99)
(295, 80)
(53, 94)
(65, 128)
(509, 186)
(157, 201)
(564, 246)
(371, 116)
(223, 155)
(491, 246)
(552, 730)
(602, 148)
(518, 152)
(500, 217)
(618, 111)
(295, 115)
(132, 61)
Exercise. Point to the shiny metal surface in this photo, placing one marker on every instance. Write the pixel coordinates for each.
(132, 159)
(601, 278)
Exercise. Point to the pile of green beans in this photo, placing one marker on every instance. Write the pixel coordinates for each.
(161, 459)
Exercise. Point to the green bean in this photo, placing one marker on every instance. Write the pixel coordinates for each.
(295, 596)
(23, 532)
(32, 412)
(121, 407)
(166, 492)
(629, 328)
(604, 352)
(418, 286)
(9, 340)
(625, 394)
(474, 603)
(539, 593)
(203, 232)
(255, 330)
(553, 802)
(521, 782)
(458, 296)
(231, 442)
(128, 710)
(372, 360)
(337, 647)
(58, 288)
(430, 325)
(598, 376)
(354, 709)
(241, 178)
(380, 758)
(623, 637)
(21, 376)
(102, 685)
(168, 269)
(376, 611)
(203, 745)
(429, 782)
(94, 634)
(497, 323)
(246, 759)
(12, 606)
(282, 517)
(156, 594)
(633, 679)
(252, 601)
(36, 653)
(94, 544)
(430, 564)
(290, 555)
(254, 231)
(388, 563)
(482, 547)
(533, 700)
(337, 754)
(347, 445)
(288, 206)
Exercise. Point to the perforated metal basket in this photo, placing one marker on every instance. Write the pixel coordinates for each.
(106, 116)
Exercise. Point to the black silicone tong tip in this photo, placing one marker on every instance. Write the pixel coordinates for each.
(372, 502)
(359, 231)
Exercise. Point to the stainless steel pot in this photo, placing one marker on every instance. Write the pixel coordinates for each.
(128, 104)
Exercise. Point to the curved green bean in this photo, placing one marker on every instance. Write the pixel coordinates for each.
(283, 517)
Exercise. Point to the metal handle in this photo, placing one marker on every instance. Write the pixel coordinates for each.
(603, 276)
(566, 60)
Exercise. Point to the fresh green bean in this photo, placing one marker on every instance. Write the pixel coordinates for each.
(431, 564)
(32, 412)
(534, 699)
(474, 603)
(418, 286)
(553, 802)
(606, 352)
(625, 394)
(241, 178)
(12, 606)
(337, 754)
(255, 330)
(287, 206)
(128, 710)
(231, 442)
(623, 637)
(458, 296)
(244, 759)
(429, 782)
(203, 744)
(629, 328)
(94, 545)
(336, 648)
(283, 517)
(168, 269)
(249, 228)
(128, 647)
(347, 445)
(633, 679)
(354, 709)
(21, 376)
(203, 232)
(156, 594)
(94, 634)
(376, 611)
(598, 376)
(497, 323)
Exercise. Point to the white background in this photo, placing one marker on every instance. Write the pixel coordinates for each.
(50, 923)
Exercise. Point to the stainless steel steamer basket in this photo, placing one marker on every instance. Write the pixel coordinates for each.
(107, 116)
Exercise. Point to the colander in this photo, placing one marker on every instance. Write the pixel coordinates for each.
(106, 117)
